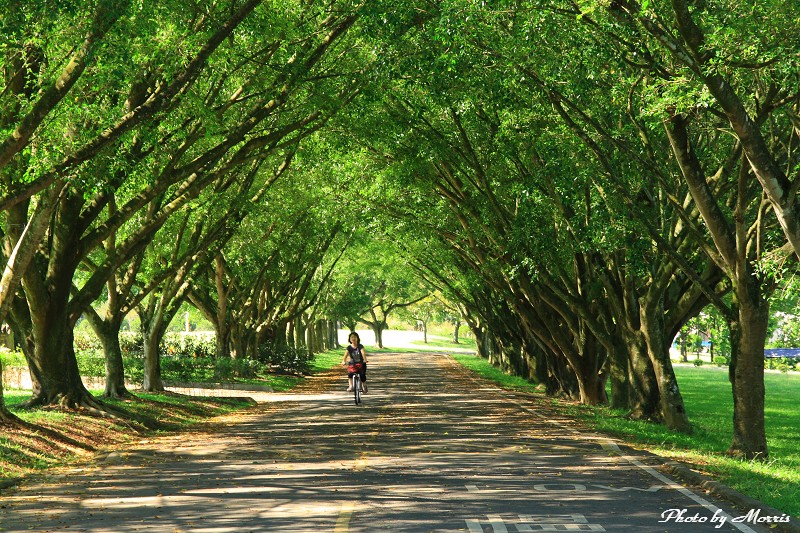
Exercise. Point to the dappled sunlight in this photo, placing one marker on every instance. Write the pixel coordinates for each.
(418, 454)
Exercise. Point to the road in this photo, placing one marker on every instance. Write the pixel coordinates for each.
(431, 449)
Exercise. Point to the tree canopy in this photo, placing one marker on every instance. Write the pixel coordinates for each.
(577, 180)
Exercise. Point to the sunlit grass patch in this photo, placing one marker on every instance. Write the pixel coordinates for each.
(485, 369)
(442, 342)
(325, 360)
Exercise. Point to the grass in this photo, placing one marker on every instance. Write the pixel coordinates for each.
(485, 369)
(444, 342)
(55, 436)
(325, 360)
(281, 383)
(707, 396)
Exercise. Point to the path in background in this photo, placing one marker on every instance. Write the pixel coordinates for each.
(431, 449)
(394, 338)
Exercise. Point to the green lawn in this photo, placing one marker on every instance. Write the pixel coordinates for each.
(707, 395)
(325, 360)
(444, 342)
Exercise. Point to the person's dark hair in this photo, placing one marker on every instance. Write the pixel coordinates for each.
(358, 339)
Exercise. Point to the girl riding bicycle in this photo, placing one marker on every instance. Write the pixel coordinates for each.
(355, 358)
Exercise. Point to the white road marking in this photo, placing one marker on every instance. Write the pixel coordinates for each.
(474, 526)
(497, 524)
(653, 488)
(527, 523)
(611, 446)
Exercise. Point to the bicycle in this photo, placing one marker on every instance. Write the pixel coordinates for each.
(355, 369)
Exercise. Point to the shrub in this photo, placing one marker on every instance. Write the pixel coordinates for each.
(784, 364)
(247, 368)
(188, 358)
(697, 362)
(205, 369)
(183, 345)
(91, 362)
(183, 369)
(134, 368)
(9, 358)
(286, 358)
(86, 341)
(131, 344)
(720, 360)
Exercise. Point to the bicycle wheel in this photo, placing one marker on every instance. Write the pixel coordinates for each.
(357, 388)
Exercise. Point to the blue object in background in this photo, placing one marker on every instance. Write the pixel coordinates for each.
(789, 353)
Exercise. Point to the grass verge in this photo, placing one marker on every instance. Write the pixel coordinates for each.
(443, 342)
(53, 436)
(707, 396)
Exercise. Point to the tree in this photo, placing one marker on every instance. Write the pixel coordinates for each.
(200, 150)
(374, 283)
(423, 311)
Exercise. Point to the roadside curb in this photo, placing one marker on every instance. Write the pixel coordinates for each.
(737, 498)
(218, 386)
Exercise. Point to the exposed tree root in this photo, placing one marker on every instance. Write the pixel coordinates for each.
(746, 455)
(644, 416)
(31, 403)
(8, 418)
(119, 394)
(56, 437)
(85, 403)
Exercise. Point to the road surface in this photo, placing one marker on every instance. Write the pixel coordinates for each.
(431, 449)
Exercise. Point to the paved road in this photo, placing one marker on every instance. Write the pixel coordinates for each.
(430, 449)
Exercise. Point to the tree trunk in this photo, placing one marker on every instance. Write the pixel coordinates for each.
(28, 243)
(746, 373)
(290, 340)
(618, 373)
(299, 333)
(591, 386)
(54, 365)
(239, 341)
(333, 335)
(279, 341)
(51, 353)
(484, 343)
(645, 401)
(582, 352)
(321, 337)
(377, 329)
(749, 314)
(222, 341)
(671, 401)
(455, 331)
(536, 361)
(152, 331)
(221, 324)
(20, 321)
(684, 351)
(564, 377)
(108, 333)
